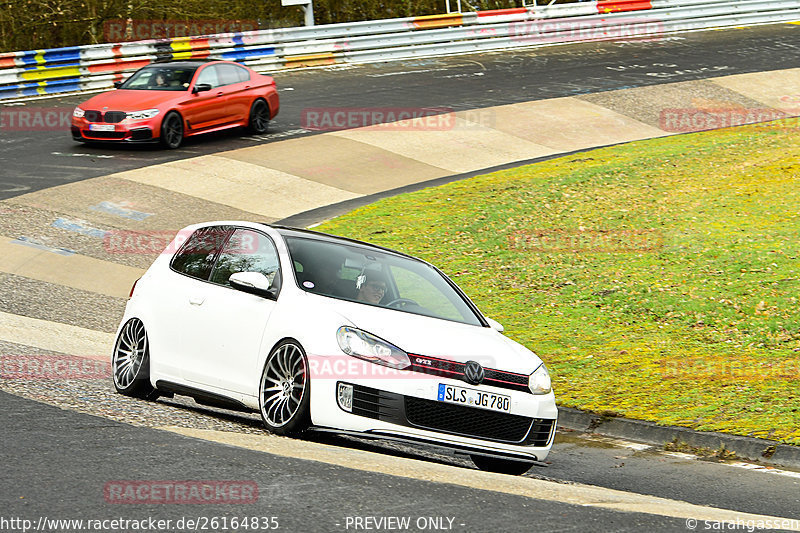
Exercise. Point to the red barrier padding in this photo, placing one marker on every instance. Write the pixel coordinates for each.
(501, 12)
(616, 6)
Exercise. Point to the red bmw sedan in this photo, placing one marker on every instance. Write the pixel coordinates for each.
(166, 102)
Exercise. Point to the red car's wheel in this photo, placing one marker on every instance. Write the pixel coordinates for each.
(172, 130)
(259, 117)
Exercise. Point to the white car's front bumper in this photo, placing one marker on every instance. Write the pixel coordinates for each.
(406, 406)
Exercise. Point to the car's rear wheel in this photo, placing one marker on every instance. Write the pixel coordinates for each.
(172, 130)
(131, 361)
(501, 466)
(284, 392)
(259, 117)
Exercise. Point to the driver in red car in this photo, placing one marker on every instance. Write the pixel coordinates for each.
(161, 80)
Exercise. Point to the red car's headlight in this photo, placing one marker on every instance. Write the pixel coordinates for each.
(140, 115)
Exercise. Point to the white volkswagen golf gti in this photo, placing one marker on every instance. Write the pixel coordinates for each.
(330, 334)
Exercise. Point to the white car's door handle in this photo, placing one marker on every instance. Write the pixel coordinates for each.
(196, 300)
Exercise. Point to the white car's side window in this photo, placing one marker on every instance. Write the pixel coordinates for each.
(246, 251)
(196, 256)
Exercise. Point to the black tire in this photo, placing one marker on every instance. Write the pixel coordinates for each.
(501, 466)
(130, 364)
(284, 391)
(171, 130)
(259, 117)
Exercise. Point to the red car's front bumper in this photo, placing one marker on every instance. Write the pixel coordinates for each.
(128, 131)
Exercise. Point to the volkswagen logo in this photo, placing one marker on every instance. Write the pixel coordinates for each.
(474, 373)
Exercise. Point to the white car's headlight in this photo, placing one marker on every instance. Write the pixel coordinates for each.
(539, 381)
(78, 112)
(361, 344)
(139, 115)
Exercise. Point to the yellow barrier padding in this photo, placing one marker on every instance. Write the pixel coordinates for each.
(43, 73)
(181, 45)
(438, 21)
(310, 60)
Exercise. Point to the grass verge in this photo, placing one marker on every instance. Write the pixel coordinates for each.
(658, 280)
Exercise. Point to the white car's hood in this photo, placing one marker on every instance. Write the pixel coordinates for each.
(432, 337)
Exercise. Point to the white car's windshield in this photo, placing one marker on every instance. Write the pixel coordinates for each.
(372, 277)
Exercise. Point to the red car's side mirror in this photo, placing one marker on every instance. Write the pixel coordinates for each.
(201, 87)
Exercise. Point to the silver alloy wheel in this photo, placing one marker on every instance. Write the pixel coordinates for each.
(283, 385)
(129, 353)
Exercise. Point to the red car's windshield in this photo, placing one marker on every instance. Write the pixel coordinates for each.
(161, 78)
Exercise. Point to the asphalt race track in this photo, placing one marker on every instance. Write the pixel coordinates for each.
(33, 160)
(65, 441)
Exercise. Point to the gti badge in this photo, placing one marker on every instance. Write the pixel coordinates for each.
(474, 373)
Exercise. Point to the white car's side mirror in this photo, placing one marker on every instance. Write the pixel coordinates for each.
(253, 283)
(495, 324)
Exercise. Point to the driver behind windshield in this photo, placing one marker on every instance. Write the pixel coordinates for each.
(371, 286)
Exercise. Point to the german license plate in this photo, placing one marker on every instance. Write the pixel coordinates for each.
(101, 127)
(474, 398)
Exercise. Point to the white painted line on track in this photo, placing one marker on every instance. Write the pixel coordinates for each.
(681, 455)
(79, 154)
(636, 446)
(765, 469)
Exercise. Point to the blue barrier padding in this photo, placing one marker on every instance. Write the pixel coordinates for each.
(28, 58)
(58, 81)
(6, 94)
(62, 87)
(67, 53)
(33, 88)
(42, 66)
(244, 53)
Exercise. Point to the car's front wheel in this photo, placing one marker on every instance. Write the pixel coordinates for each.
(501, 466)
(172, 130)
(284, 392)
(259, 117)
(131, 361)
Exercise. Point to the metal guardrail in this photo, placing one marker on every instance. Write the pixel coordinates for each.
(93, 67)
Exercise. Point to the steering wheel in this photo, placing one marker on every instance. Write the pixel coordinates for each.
(401, 302)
